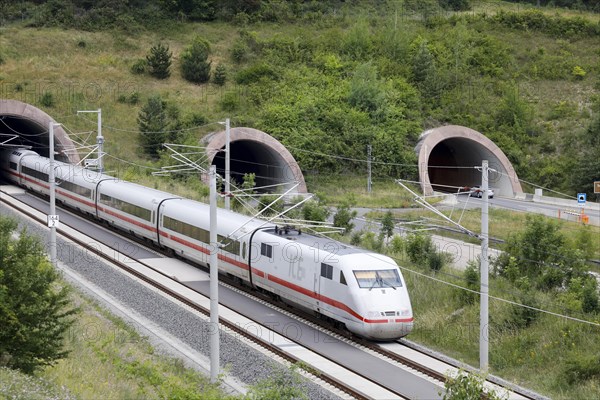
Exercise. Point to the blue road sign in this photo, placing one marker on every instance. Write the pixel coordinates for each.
(581, 198)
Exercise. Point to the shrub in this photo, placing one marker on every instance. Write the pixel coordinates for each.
(582, 367)
(578, 72)
(397, 244)
(159, 61)
(435, 260)
(356, 238)
(230, 102)
(455, 5)
(239, 51)
(139, 66)
(418, 247)
(47, 99)
(520, 316)
(314, 211)
(471, 277)
(467, 386)
(255, 73)
(194, 65)
(372, 242)
(132, 98)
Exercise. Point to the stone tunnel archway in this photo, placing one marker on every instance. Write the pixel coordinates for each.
(443, 151)
(28, 127)
(254, 151)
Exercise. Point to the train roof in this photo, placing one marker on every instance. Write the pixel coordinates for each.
(322, 242)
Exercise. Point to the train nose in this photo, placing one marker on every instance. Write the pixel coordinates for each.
(386, 325)
(393, 329)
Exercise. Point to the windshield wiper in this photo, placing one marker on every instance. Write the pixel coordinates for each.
(389, 284)
(377, 279)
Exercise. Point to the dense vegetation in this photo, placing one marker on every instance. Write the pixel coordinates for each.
(540, 269)
(367, 74)
(330, 78)
(35, 311)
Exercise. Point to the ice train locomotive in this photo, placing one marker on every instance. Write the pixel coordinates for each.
(362, 290)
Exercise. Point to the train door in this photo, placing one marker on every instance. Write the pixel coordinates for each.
(317, 288)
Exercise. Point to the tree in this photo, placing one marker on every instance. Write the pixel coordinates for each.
(35, 311)
(387, 225)
(366, 91)
(152, 122)
(194, 66)
(159, 61)
(343, 218)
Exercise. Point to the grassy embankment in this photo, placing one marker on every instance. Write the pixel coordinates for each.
(108, 359)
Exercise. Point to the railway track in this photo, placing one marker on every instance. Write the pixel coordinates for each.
(391, 357)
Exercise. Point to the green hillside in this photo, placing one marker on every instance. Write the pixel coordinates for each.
(328, 77)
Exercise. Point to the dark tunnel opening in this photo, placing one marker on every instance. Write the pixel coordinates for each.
(30, 134)
(249, 156)
(452, 164)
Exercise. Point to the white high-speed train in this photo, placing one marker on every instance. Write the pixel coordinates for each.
(360, 289)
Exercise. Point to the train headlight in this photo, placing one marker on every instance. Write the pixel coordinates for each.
(405, 313)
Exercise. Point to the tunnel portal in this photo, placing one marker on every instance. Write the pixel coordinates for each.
(23, 125)
(254, 151)
(449, 154)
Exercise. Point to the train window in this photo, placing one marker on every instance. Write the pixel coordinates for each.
(12, 165)
(378, 278)
(342, 278)
(34, 173)
(244, 250)
(229, 245)
(126, 207)
(186, 229)
(80, 190)
(266, 250)
(326, 271)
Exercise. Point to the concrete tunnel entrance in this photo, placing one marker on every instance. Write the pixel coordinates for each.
(23, 125)
(254, 151)
(448, 155)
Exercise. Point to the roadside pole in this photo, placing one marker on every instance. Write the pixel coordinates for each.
(227, 164)
(52, 217)
(483, 311)
(214, 279)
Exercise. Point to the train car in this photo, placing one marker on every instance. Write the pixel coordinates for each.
(75, 186)
(130, 207)
(362, 290)
(359, 289)
(185, 228)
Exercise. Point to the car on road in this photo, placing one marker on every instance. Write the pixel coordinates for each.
(476, 191)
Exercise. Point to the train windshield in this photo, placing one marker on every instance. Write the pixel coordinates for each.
(378, 279)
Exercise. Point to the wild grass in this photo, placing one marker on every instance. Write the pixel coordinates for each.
(536, 356)
(110, 358)
(335, 190)
(502, 224)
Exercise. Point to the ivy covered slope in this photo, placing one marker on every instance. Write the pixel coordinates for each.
(328, 77)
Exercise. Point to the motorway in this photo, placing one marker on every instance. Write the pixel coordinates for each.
(549, 210)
